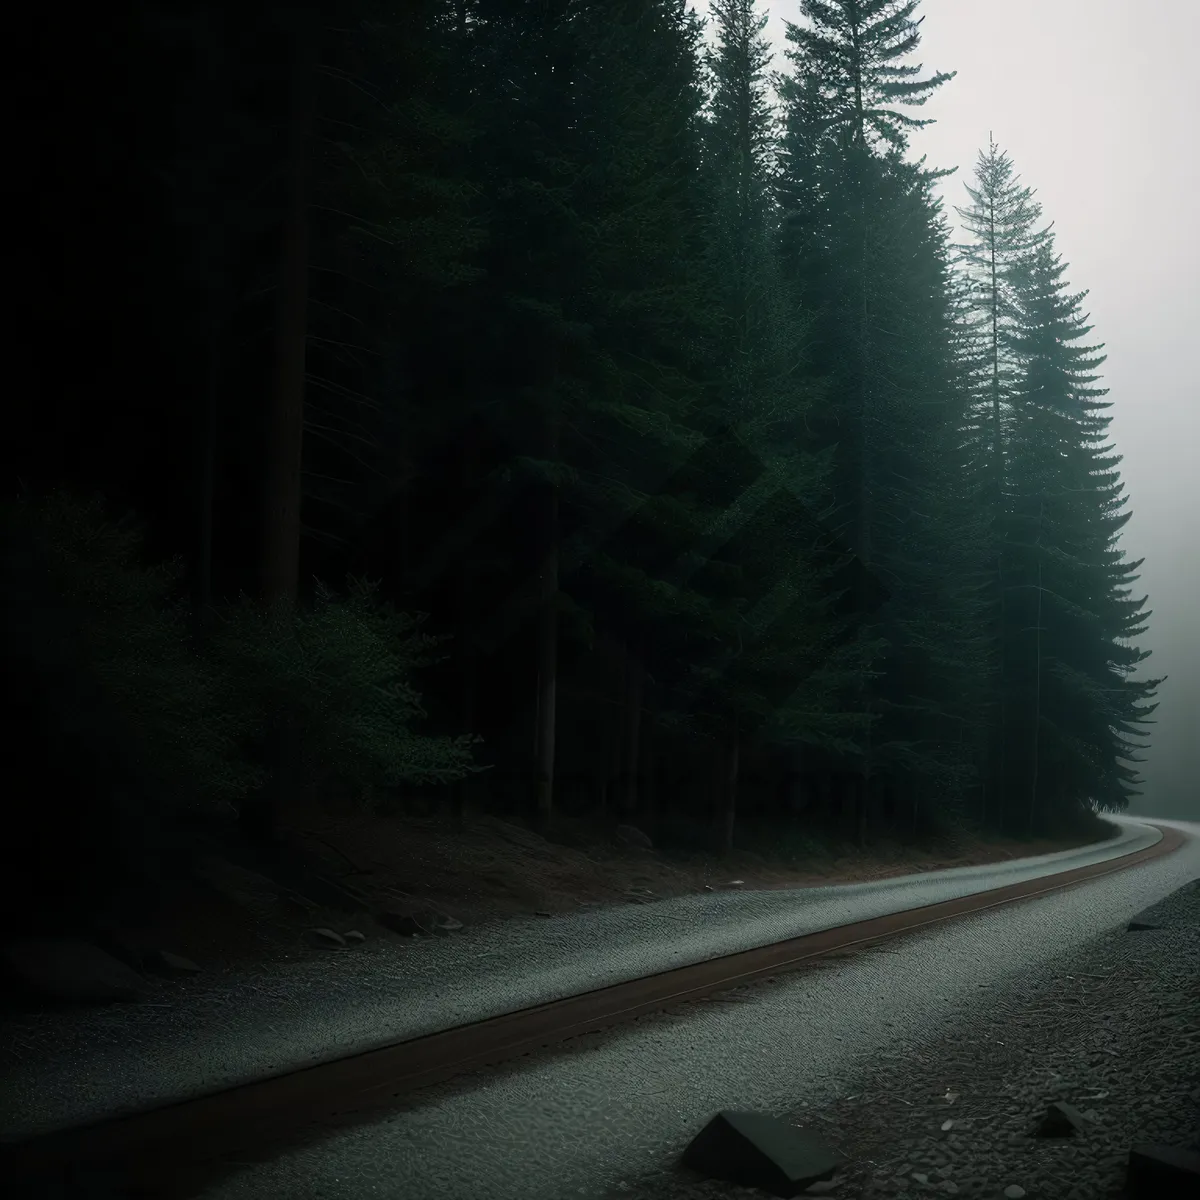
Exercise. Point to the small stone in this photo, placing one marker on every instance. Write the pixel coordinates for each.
(1014, 1191)
(325, 939)
(410, 922)
(949, 1187)
(354, 935)
(447, 926)
(920, 1177)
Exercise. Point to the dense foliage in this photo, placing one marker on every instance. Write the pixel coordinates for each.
(731, 489)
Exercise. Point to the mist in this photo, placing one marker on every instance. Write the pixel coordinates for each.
(1096, 103)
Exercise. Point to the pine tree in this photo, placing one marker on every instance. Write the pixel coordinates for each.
(589, 324)
(1003, 221)
(1072, 613)
(867, 254)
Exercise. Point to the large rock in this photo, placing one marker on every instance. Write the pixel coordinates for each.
(631, 835)
(754, 1150)
(1141, 923)
(1163, 1173)
(65, 970)
(1060, 1120)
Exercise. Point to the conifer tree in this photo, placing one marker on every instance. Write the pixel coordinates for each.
(1003, 221)
(1072, 615)
(866, 252)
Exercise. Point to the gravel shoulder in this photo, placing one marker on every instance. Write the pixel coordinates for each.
(199, 1035)
(606, 1116)
(1114, 1030)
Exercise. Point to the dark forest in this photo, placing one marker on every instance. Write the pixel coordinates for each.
(546, 409)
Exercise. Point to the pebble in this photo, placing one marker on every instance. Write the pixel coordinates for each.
(1014, 1191)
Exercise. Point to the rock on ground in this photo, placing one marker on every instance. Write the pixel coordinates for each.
(1114, 1035)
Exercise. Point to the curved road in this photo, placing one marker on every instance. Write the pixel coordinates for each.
(585, 1120)
(207, 1035)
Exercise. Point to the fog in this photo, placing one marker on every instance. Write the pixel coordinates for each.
(1097, 101)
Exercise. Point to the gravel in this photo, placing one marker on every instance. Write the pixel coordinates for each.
(864, 1049)
(1114, 1030)
(200, 1035)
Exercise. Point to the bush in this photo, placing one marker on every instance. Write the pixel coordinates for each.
(341, 672)
(123, 711)
(102, 648)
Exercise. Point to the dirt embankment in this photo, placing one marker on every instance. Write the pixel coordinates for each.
(495, 869)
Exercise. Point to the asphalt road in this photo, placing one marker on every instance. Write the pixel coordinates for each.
(590, 1118)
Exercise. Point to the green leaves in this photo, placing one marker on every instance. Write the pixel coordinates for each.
(345, 669)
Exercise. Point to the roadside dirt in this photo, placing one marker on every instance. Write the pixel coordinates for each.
(496, 869)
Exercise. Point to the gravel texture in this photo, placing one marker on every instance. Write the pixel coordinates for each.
(1114, 1031)
(204, 1034)
(865, 1049)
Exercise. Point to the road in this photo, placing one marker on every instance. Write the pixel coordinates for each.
(593, 1116)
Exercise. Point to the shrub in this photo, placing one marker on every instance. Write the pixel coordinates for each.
(341, 670)
(102, 646)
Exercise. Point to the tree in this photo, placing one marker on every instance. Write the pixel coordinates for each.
(1072, 613)
(1003, 221)
(285, 422)
(866, 250)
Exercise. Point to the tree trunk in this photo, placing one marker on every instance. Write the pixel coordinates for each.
(285, 418)
(465, 656)
(727, 782)
(203, 595)
(285, 427)
(1000, 744)
(214, 101)
(547, 642)
(613, 789)
(865, 516)
(825, 797)
(1037, 694)
(864, 803)
(631, 742)
(649, 791)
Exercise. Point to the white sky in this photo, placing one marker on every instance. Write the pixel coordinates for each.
(1098, 103)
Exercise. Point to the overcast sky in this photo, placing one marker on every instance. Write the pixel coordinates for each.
(1098, 104)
